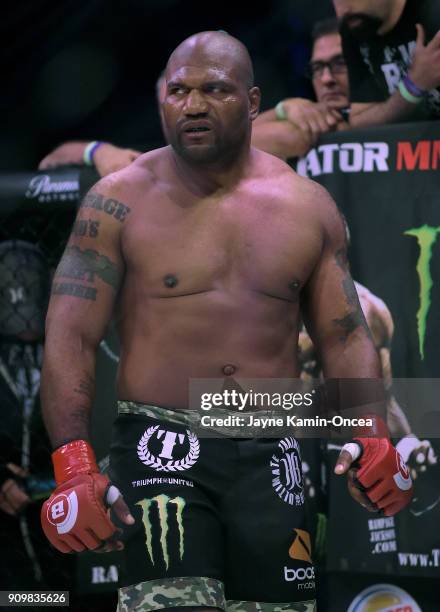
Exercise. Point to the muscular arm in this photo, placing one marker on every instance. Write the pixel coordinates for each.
(296, 135)
(280, 138)
(107, 158)
(378, 113)
(334, 316)
(338, 327)
(266, 117)
(83, 295)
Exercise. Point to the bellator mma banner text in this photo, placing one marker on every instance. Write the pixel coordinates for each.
(370, 157)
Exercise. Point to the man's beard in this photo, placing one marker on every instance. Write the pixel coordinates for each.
(220, 152)
(197, 154)
(365, 30)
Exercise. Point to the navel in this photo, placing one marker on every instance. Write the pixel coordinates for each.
(229, 369)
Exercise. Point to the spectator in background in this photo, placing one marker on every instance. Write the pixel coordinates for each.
(288, 131)
(106, 158)
(392, 50)
(393, 74)
(294, 125)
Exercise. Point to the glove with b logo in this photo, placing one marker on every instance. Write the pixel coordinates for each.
(76, 516)
(382, 473)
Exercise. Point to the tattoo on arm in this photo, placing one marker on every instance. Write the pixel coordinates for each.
(341, 259)
(86, 227)
(85, 264)
(110, 206)
(77, 426)
(355, 318)
(351, 322)
(81, 291)
(85, 387)
(76, 423)
(350, 292)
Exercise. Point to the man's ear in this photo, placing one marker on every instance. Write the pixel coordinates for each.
(254, 102)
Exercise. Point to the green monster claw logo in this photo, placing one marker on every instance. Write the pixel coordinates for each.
(426, 236)
(162, 502)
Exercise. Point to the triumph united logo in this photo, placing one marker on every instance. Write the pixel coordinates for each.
(164, 461)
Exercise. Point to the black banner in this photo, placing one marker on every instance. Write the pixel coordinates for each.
(386, 181)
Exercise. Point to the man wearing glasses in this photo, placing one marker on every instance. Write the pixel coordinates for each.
(294, 125)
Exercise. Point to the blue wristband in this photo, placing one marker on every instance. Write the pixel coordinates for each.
(90, 151)
(406, 95)
(413, 88)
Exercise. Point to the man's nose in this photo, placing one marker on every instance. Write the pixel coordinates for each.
(195, 103)
(327, 76)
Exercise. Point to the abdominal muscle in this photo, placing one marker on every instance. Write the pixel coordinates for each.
(169, 341)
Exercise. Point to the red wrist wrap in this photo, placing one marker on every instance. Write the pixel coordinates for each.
(74, 458)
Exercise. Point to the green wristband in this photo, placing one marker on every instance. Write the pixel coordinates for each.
(407, 95)
(280, 112)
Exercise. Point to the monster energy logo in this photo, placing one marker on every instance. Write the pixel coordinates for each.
(162, 503)
(426, 236)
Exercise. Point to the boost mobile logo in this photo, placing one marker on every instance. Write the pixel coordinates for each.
(162, 503)
(301, 547)
(426, 236)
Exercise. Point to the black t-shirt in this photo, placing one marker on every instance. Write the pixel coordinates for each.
(376, 67)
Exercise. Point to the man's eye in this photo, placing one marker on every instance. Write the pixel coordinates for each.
(215, 89)
(339, 61)
(316, 67)
(177, 91)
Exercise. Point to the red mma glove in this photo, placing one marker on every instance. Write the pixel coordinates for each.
(382, 473)
(76, 515)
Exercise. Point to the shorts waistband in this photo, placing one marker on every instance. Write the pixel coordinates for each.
(194, 420)
(181, 416)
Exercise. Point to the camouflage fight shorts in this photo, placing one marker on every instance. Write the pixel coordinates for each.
(220, 521)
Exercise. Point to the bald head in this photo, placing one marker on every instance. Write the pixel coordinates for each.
(210, 100)
(215, 49)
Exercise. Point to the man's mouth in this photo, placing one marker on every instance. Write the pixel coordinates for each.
(354, 22)
(332, 94)
(361, 25)
(191, 130)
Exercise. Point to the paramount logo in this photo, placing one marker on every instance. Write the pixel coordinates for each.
(45, 188)
(352, 157)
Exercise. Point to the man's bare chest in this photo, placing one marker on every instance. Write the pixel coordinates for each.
(253, 247)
